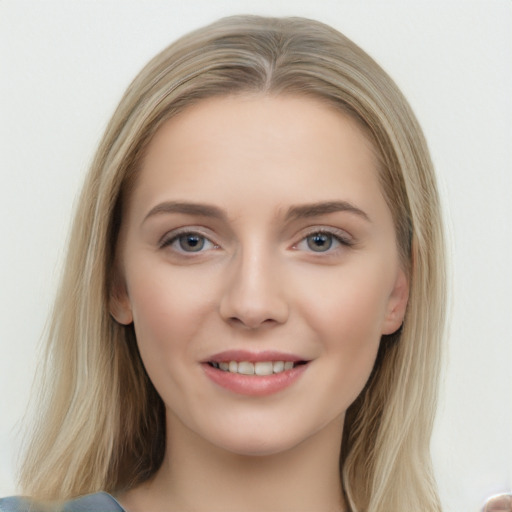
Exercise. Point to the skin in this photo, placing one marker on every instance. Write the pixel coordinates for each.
(262, 280)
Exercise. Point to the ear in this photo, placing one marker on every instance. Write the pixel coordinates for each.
(397, 304)
(119, 302)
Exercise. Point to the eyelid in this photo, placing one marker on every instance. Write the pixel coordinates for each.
(340, 235)
(171, 236)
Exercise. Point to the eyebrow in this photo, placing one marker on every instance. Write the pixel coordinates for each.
(203, 210)
(304, 211)
(323, 208)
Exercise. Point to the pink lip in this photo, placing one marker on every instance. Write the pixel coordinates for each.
(253, 385)
(253, 357)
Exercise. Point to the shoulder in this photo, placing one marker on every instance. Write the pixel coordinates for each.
(14, 504)
(98, 502)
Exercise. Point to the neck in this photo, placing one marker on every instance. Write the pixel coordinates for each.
(199, 476)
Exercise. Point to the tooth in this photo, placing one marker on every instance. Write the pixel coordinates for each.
(278, 366)
(259, 368)
(245, 368)
(263, 368)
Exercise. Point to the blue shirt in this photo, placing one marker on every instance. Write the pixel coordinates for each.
(98, 502)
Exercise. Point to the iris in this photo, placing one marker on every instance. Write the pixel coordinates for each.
(320, 242)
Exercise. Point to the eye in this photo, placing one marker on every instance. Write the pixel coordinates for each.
(320, 242)
(188, 242)
(323, 241)
(191, 242)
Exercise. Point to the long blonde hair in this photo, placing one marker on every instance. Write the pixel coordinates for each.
(102, 425)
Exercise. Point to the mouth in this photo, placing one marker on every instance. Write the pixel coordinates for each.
(259, 368)
(254, 374)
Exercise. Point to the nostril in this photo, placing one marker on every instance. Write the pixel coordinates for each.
(251, 323)
(253, 303)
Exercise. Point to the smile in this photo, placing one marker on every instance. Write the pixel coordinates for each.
(254, 374)
(261, 368)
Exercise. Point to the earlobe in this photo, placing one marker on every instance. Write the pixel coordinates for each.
(119, 304)
(121, 313)
(397, 304)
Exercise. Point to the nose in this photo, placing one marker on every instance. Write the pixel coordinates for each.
(254, 296)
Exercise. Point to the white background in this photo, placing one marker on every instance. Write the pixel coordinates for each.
(63, 68)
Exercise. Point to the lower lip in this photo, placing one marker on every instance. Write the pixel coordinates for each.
(254, 385)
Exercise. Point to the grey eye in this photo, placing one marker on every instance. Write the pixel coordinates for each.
(191, 242)
(320, 242)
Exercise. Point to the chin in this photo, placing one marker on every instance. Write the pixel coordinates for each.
(257, 446)
(258, 441)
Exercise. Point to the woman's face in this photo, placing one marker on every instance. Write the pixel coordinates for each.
(257, 239)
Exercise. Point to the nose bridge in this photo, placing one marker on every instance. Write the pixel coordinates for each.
(254, 293)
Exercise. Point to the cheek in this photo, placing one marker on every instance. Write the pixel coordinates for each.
(346, 319)
(169, 313)
(168, 310)
(349, 306)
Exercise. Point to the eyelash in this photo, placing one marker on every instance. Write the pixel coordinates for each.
(169, 239)
(337, 236)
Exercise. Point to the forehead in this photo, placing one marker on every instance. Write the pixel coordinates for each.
(266, 142)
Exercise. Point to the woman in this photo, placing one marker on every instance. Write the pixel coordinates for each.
(252, 306)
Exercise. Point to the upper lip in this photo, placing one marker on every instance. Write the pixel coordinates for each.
(253, 357)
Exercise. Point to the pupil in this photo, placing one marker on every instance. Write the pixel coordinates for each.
(319, 242)
(191, 243)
